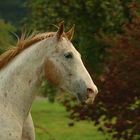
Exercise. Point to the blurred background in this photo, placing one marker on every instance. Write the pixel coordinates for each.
(107, 35)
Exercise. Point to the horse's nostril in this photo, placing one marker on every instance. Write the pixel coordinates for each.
(90, 90)
(91, 94)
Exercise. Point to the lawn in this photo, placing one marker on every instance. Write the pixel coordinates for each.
(51, 123)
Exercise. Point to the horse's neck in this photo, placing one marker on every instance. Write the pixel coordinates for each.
(20, 80)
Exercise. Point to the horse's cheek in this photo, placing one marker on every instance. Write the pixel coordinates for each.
(52, 73)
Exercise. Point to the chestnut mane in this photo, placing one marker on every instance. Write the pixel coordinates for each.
(23, 43)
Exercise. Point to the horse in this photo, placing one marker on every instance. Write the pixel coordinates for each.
(44, 56)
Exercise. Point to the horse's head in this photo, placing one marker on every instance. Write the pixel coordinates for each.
(65, 69)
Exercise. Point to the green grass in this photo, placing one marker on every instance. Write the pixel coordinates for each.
(51, 123)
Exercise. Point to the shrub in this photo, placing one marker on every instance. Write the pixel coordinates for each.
(117, 108)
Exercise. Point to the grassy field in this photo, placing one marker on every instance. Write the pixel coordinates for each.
(51, 123)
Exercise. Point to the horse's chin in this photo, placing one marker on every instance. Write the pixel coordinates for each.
(83, 99)
(90, 99)
(80, 98)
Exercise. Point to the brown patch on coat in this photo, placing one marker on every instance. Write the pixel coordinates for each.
(52, 74)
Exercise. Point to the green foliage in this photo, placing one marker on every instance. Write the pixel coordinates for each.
(5, 39)
(89, 16)
(119, 85)
(47, 90)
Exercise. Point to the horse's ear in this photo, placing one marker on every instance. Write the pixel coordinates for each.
(60, 30)
(70, 33)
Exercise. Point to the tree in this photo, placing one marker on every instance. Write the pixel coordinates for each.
(90, 17)
(118, 102)
(13, 11)
(5, 39)
(117, 107)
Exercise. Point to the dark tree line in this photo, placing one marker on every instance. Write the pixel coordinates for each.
(13, 11)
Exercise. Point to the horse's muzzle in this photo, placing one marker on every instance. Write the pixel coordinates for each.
(89, 96)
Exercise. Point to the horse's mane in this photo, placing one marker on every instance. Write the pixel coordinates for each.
(23, 43)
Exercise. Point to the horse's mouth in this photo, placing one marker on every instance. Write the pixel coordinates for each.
(89, 99)
(81, 98)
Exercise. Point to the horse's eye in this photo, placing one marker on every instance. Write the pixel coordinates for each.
(68, 55)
